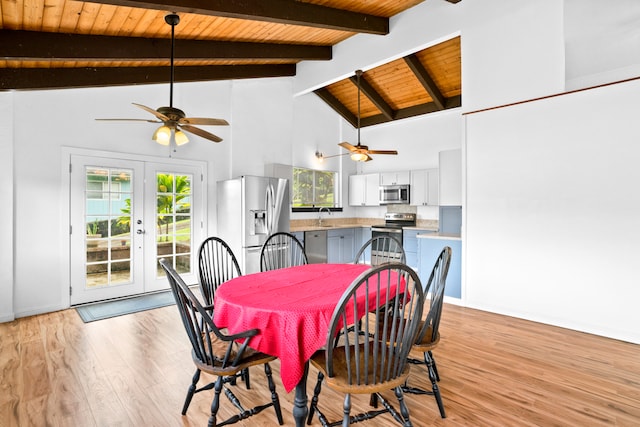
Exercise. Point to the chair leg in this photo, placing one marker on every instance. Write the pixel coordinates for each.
(428, 360)
(403, 408)
(435, 368)
(346, 410)
(191, 391)
(274, 395)
(245, 377)
(314, 399)
(215, 403)
(373, 400)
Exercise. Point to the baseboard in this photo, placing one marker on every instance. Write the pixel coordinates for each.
(39, 310)
(7, 317)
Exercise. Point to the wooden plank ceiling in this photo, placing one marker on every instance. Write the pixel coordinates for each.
(420, 83)
(47, 44)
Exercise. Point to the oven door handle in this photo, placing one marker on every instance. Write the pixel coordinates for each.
(387, 230)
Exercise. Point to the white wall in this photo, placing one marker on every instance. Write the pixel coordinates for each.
(317, 127)
(6, 208)
(262, 113)
(553, 209)
(511, 51)
(601, 41)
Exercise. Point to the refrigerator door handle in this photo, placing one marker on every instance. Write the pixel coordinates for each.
(269, 208)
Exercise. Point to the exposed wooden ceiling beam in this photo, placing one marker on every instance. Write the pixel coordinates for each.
(425, 79)
(337, 106)
(52, 78)
(374, 96)
(34, 45)
(278, 11)
(417, 110)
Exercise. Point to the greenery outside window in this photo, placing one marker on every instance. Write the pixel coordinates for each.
(315, 189)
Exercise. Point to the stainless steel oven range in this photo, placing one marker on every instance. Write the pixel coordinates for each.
(393, 223)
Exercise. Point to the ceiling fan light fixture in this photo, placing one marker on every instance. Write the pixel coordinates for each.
(181, 138)
(173, 119)
(358, 157)
(162, 135)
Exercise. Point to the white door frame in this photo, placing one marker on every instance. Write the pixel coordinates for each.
(65, 243)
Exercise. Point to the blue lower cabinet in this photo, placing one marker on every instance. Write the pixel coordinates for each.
(299, 235)
(340, 244)
(362, 236)
(428, 251)
(410, 246)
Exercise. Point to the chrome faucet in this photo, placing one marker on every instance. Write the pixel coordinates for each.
(320, 214)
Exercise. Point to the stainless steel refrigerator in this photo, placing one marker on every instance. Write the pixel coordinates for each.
(250, 208)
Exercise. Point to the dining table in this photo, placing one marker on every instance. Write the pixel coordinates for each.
(291, 308)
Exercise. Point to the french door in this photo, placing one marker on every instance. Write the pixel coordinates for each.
(124, 216)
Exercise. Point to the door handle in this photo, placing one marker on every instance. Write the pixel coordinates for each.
(139, 231)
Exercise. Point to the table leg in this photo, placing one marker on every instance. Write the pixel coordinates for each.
(300, 408)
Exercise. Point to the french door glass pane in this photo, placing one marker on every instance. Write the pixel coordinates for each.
(108, 193)
(173, 220)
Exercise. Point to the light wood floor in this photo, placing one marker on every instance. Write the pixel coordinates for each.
(134, 370)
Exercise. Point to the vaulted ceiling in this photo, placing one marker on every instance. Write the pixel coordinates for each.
(420, 83)
(65, 43)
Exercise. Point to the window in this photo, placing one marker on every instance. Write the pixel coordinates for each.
(173, 219)
(314, 188)
(98, 186)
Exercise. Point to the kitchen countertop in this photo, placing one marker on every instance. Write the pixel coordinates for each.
(326, 227)
(329, 223)
(443, 236)
(338, 223)
(426, 228)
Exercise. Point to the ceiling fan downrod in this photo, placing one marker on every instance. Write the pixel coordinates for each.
(173, 20)
(358, 74)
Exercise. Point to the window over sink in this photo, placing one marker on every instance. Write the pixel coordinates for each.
(313, 189)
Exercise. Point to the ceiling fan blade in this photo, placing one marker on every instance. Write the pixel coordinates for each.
(368, 158)
(152, 111)
(347, 146)
(129, 120)
(203, 121)
(382, 152)
(200, 132)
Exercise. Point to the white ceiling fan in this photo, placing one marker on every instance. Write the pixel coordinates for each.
(359, 152)
(173, 119)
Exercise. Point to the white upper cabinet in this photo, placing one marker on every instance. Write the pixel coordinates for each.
(394, 178)
(424, 187)
(363, 189)
(450, 177)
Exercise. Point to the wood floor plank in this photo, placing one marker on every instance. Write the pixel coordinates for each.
(135, 369)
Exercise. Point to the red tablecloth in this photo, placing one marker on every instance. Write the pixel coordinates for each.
(291, 307)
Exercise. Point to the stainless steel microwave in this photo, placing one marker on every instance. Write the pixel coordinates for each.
(394, 194)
